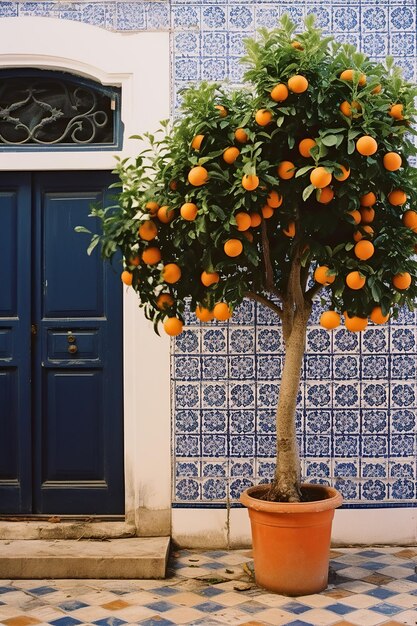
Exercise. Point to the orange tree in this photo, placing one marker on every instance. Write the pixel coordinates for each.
(299, 184)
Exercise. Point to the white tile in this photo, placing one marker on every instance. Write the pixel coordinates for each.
(358, 586)
(404, 600)
(320, 617)
(355, 572)
(316, 600)
(407, 617)
(361, 601)
(366, 618)
(276, 617)
(395, 572)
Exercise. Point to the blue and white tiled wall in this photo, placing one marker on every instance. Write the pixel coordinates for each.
(357, 405)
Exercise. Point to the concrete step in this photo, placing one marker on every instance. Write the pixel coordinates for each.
(137, 557)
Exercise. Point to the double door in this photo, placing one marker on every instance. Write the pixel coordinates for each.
(61, 366)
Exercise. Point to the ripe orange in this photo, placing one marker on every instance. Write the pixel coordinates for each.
(355, 280)
(126, 277)
(325, 195)
(171, 273)
(396, 111)
(198, 176)
(148, 230)
(279, 93)
(164, 301)
(364, 249)
(209, 278)
(263, 117)
(255, 219)
(250, 182)
(401, 281)
(173, 326)
(233, 247)
(274, 199)
(410, 220)
(222, 311)
(290, 230)
(189, 211)
(397, 197)
(221, 109)
(322, 275)
(366, 145)
(305, 146)
(392, 161)
(241, 135)
(248, 236)
(165, 214)
(267, 211)
(243, 221)
(355, 215)
(298, 83)
(376, 89)
(330, 319)
(151, 256)
(134, 260)
(365, 231)
(152, 207)
(173, 185)
(320, 177)
(350, 109)
(355, 324)
(285, 170)
(349, 76)
(230, 154)
(197, 141)
(367, 214)
(368, 199)
(203, 314)
(344, 175)
(377, 316)
(297, 45)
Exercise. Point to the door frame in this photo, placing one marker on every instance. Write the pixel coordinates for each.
(119, 60)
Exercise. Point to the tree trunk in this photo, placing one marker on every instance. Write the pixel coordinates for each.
(286, 484)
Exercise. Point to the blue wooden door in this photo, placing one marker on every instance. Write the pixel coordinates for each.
(61, 410)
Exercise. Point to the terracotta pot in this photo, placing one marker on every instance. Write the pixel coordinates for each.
(291, 541)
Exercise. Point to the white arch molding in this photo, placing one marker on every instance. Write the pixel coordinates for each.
(139, 64)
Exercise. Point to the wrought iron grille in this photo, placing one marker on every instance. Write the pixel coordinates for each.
(41, 108)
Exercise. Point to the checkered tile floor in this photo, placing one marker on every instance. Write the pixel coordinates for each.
(367, 587)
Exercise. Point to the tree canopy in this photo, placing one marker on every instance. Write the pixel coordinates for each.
(310, 161)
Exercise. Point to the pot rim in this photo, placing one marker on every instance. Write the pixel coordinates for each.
(332, 500)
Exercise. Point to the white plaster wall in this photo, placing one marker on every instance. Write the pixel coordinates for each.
(139, 64)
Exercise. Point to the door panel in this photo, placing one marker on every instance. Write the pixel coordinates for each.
(74, 431)
(15, 320)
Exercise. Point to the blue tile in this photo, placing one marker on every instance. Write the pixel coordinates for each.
(42, 591)
(164, 591)
(295, 607)
(71, 605)
(7, 589)
(381, 593)
(340, 609)
(65, 621)
(210, 592)
(214, 565)
(161, 606)
(387, 609)
(208, 607)
(110, 621)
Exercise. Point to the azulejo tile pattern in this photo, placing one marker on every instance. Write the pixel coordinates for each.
(357, 402)
(367, 587)
(356, 408)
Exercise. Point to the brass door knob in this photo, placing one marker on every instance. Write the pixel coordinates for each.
(72, 349)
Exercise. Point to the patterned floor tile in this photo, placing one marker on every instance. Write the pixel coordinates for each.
(368, 587)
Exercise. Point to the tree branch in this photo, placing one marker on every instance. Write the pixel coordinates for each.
(258, 298)
(313, 291)
(269, 272)
(295, 290)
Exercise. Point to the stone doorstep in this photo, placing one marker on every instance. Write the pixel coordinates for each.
(134, 558)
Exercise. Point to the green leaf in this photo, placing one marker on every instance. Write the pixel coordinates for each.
(303, 170)
(308, 191)
(330, 140)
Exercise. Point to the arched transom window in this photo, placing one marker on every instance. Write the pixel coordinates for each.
(59, 111)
